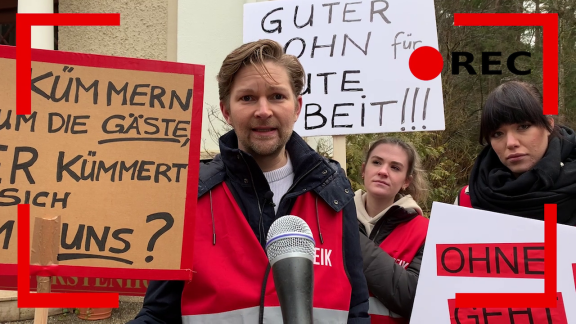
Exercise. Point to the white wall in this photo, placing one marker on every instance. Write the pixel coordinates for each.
(208, 30)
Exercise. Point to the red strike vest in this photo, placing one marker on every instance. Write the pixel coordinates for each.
(227, 280)
(402, 244)
(464, 198)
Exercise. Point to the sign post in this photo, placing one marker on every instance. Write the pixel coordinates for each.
(45, 246)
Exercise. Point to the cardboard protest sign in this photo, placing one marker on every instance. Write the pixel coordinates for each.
(474, 251)
(112, 146)
(355, 55)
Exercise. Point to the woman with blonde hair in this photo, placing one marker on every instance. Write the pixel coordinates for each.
(393, 227)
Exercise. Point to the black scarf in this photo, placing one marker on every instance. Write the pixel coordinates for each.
(494, 188)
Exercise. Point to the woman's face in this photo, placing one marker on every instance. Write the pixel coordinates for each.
(385, 172)
(520, 146)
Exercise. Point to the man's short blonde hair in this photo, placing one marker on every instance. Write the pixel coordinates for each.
(257, 53)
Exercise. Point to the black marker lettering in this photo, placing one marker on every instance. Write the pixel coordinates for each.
(6, 123)
(100, 241)
(26, 119)
(365, 50)
(344, 81)
(349, 11)
(24, 166)
(379, 11)
(183, 105)
(164, 172)
(77, 242)
(498, 252)
(93, 85)
(167, 122)
(302, 41)
(124, 168)
(381, 104)
(112, 88)
(35, 201)
(276, 21)
(111, 168)
(178, 167)
(334, 115)
(330, 10)
(443, 260)
(485, 259)
(66, 167)
(37, 90)
(142, 169)
(147, 121)
(136, 93)
(77, 123)
(119, 127)
(314, 46)
(8, 227)
(15, 199)
(63, 201)
(116, 235)
(316, 113)
(527, 260)
(325, 75)
(157, 96)
(87, 176)
(310, 18)
(178, 129)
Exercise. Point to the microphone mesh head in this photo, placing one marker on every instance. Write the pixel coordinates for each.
(290, 236)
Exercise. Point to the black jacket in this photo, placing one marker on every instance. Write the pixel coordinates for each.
(389, 282)
(247, 183)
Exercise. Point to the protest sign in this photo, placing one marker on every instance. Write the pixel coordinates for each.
(112, 146)
(355, 55)
(474, 251)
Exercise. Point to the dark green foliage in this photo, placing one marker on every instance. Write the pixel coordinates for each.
(449, 155)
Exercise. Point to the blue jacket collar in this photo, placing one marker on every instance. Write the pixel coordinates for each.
(311, 171)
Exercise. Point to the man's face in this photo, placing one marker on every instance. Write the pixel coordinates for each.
(262, 111)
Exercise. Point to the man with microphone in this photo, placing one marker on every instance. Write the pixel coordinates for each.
(264, 171)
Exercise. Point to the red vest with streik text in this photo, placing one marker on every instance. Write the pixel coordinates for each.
(402, 244)
(228, 276)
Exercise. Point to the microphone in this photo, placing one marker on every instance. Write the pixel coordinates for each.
(290, 248)
(268, 197)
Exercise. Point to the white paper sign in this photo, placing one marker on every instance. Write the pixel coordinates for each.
(355, 55)
(458, 241)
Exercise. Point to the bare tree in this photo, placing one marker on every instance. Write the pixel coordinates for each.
(217, 126)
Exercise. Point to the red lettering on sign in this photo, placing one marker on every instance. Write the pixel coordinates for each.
(125, 287)
(498, 260)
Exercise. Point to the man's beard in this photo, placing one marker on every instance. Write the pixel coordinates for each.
(266, 149)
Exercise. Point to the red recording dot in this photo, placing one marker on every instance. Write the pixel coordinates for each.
(426, 63)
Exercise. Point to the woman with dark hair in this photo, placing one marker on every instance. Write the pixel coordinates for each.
(392, 227)
(528, 160)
